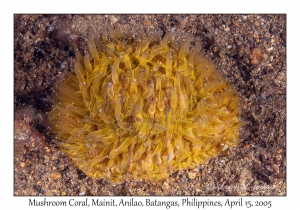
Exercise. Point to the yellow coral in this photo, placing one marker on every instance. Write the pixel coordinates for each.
(141, 109)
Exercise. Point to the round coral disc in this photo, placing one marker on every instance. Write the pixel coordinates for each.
(140, 109)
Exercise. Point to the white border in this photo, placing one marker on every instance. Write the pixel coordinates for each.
(8, 8)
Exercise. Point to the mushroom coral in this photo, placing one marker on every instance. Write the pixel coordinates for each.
(140, 109)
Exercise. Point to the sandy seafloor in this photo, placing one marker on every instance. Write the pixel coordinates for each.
(249, 49)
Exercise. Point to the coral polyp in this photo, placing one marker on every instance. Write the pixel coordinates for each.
(140, 109)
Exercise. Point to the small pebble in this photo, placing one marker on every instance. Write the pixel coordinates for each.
(227, 29)
(55, 175)
(47, 149)
(192, 175)
(166, 185)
